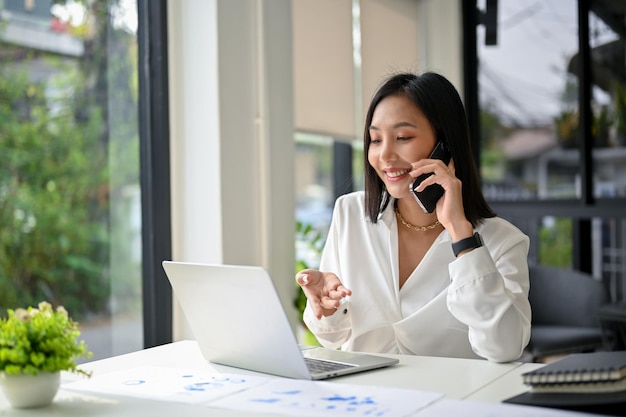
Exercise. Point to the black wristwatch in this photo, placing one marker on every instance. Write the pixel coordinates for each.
(471, 242)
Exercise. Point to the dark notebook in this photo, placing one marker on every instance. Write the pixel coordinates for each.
(581, 372)
(611, 403)
(590, 382)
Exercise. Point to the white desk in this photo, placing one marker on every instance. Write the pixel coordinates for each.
(456, 378)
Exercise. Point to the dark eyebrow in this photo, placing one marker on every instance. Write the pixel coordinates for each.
(397, 125)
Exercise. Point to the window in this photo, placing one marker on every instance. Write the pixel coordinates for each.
(547, 102)
(326, 169)
(529, 103)
(70, 193)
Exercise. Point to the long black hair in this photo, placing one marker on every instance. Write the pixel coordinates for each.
(440, 102)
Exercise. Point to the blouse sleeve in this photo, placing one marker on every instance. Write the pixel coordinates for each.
(489, 293)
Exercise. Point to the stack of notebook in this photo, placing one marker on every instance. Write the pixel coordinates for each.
(593, 382)
(581, 373)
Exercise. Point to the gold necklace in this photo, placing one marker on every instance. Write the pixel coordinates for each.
(412, 226)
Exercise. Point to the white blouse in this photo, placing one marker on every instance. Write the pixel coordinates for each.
(473, 306)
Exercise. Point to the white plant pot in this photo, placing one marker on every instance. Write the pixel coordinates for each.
(30, 391)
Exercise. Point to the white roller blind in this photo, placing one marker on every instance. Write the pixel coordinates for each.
(323, 67)
(395, 35)
(389, 34)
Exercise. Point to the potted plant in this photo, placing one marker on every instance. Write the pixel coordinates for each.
(36, 344)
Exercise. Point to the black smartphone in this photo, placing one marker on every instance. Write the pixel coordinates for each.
(428, 198)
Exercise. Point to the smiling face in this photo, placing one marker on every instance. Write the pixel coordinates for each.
(400, 134)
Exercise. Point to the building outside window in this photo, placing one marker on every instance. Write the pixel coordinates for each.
(553, 154)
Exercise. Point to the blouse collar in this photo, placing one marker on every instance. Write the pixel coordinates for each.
(388, 215)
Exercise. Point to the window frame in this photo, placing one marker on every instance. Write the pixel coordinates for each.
(154, 152)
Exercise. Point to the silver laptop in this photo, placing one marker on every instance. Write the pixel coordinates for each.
(238, 320)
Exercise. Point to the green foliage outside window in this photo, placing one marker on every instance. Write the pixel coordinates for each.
(53, 198)
(314, 242)
(555, 248)
(69, 181)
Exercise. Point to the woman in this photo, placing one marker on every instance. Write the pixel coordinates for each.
(394, 278)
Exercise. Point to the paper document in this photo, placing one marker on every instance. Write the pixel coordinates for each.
(167, 384)
(283, 396)
(276, 396)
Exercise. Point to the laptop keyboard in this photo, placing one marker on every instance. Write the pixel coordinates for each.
(318, 365)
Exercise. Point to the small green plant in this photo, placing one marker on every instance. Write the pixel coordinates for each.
(43, 339)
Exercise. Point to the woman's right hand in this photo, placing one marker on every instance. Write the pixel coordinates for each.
(324, 291)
